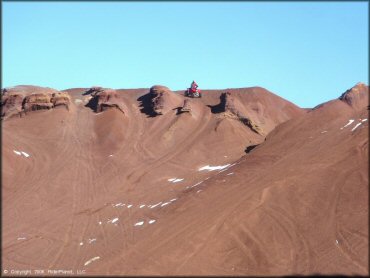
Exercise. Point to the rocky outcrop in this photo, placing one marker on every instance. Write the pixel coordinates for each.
(186, 108)
(159, 94)
(11, 104)
(19, 100)
(159, 101)
(60, 99)
(37, 102)
(357, 96)
(103, 99)
(231, 108)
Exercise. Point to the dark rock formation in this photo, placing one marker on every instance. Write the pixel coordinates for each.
(103, 99)
(356, 96)
(19, 100)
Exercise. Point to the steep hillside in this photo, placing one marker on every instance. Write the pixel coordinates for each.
(148, 182)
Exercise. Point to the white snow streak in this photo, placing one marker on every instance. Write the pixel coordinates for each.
(151, 221)
(349, 123)
(196, 184)
(213, 168)
(356, 126)
(91, 260)
(174, 180)
(153, 206)
(16, 152)
(139, 223)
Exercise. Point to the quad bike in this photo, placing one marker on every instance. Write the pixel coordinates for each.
(190, 93)
(193, 91)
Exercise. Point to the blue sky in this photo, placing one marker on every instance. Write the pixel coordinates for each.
(305, 52)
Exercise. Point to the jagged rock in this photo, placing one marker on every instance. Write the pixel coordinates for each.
(356, 96)
(21, 99)
(161, 100)
(229, 107)
(37, 102)
(186, 108)
(158, 98)
(94, 90)
(59, 99)
(103, 99)
(11, 104)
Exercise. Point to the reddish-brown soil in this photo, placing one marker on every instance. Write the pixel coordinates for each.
(113, 185)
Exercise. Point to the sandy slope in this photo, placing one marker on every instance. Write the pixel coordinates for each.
(94, 193)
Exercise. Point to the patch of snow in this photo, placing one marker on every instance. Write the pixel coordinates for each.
(100, 223)
(173, 200)
(213, 168)
(336, 241)
(139, 223)
(81, 243)
(349, 123)
(199, 190)
(129, 206)
(91, 260)
(324, 131)
(92, 240)
(21, 238)
(173, 180)
(356, 126)
(364, 120)
(25, 154)
(165, 204)
(153, 206)
(142, 206)
(16, 152)
(119, 205)
(196, 184)
(230, 174)
(151, 221)
(110, 155)
(115, 220)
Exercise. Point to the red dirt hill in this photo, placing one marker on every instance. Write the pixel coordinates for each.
(152, 191)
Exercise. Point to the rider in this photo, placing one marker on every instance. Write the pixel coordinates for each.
(194, 86)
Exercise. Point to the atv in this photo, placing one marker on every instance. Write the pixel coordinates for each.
(190, 93)
(193, 91)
